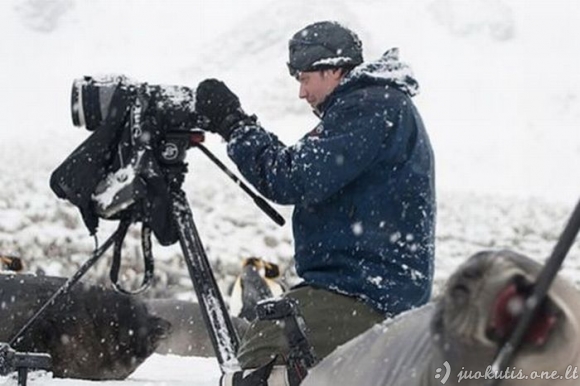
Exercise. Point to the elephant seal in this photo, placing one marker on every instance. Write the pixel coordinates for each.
(91, 332)
(454, 339)
(188, 335)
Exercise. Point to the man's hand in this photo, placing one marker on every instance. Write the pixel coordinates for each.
(220, 106)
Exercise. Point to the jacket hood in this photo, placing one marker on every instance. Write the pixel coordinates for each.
(387, 69)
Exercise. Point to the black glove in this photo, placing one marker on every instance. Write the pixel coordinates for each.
(221, 108)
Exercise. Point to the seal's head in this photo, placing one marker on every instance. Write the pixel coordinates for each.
(481, 305)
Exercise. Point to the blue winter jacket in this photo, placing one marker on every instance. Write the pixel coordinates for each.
(362, 183)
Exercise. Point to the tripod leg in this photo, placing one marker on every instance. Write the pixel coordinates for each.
(216, 317)
(73, 280)
(22, 376)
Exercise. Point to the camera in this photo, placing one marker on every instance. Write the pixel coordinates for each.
(134, 157)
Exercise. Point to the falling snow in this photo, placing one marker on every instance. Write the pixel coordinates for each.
(504, 179)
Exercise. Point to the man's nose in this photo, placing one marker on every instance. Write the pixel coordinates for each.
(302, 94)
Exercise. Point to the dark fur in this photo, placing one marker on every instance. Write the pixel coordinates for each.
(91, 332)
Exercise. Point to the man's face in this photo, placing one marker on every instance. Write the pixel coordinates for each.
(315, 86)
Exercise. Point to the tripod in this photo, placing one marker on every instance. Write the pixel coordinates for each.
(214, 312)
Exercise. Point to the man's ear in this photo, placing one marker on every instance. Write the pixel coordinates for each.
(336, 73)
(332, 73)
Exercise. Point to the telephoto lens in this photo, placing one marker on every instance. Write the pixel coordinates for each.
(96, 101)
(92, 99)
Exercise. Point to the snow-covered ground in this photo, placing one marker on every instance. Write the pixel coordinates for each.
(500, 97)
(158, 370)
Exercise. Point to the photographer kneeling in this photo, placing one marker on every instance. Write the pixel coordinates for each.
(361, 182)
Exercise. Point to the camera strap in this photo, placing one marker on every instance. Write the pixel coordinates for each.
(147, 258)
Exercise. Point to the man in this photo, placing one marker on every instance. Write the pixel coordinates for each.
(362, 183)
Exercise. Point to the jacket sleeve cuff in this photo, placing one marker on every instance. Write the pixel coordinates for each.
(235, 121)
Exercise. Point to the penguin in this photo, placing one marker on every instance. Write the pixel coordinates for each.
(11, 263)
(256, 282)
